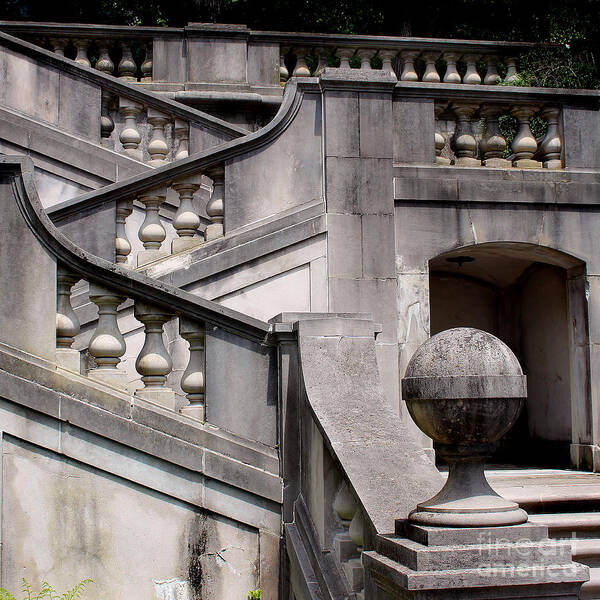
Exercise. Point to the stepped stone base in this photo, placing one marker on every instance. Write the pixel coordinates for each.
(519, 561)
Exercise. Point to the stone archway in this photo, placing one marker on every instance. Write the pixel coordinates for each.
(533, 298)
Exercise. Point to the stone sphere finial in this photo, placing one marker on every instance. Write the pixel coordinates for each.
(465, 389)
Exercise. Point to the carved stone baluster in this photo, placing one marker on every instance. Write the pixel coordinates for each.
(284, 74)
(151, 232)
(365, 55)
(471, 76)
(122, 245)
(130, 136)
(387, 56)
(59, 45)
(82, 48)
(440, 142)
(344, 505)
(153, 362)
(408, 65)
(186, 220)
(67, 323)
(451, 75)
(147, 65)
(344, 55)
(524, 144)
(127, 67)
(182, 139)
(464, 143)
(107, 344)
(158, 149)
(104, 64)
(551, 145)
(215, 208)
(431, 75)
(491, 77)
(511, 70)
(193, 379)
(107, 125)
(493, 144)
(322, 54)
(301, 69)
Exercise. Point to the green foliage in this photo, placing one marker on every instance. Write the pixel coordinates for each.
(254, 595)
(47, 592)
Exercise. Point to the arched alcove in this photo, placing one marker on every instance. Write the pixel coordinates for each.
(532, 298)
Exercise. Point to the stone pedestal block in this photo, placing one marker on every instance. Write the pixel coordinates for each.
(113, 377)
(517, 561)
(69, 359)
(161, 396)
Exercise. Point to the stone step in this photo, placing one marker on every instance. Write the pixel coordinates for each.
(553, 498)
(562, 524)
(590, 590)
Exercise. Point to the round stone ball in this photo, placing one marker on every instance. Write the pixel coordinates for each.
(464, 387)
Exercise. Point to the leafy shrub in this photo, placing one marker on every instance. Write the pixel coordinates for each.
(47, 592)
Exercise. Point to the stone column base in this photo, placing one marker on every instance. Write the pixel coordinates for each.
(585, 457)
(181, 244)
(113, 377)
(69, 359)
(147, 256)
(161, 396)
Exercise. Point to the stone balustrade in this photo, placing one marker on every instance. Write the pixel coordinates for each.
(152, 232)
(130, 53)
(454, 65)
(107, 346)
(468, 133)
(143, 132)
(128, 60)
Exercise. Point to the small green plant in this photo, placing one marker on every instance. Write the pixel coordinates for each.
(47, 592)
(254, 595)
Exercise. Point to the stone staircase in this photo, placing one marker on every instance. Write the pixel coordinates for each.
(567, 502)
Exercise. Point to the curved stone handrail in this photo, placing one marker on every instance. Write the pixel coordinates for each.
(130, 284)
(118, 87)
(127, 188)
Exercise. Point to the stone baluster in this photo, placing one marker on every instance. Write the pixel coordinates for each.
(122, 245)
(493, 145)
(511, 70)
(431, 75)
(193, 378)
(82, 47)
(471, 77)
(130, 136)
(186, 220)
(152, 233)
(158, 149)
(491, 76)
(107, 344)
(67, 323)
(59, 45)
(365, 55)
(182, 139)
(451, 75)
(322, 54)
(464, 143)
(440, 142)
(107, 125)
(301, 69)
(353, 567)
(408, 65)
(524, 144)
(344, 55)
(104, 64)
(153, 362)
(215, 208)
(127, 67)
(551, 145)
(387, 56)
(284, 74)
(345, 547)
(147, 65)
